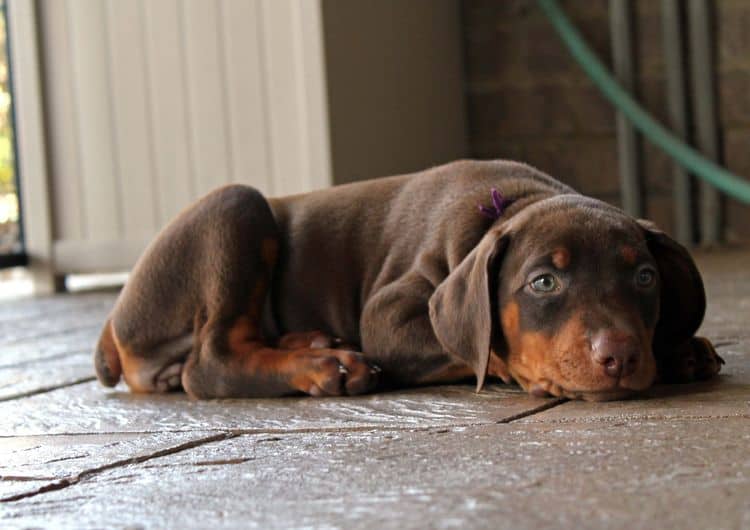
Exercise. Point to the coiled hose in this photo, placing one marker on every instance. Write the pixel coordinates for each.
(683, 154)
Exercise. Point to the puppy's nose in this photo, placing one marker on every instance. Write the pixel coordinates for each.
(616, 351)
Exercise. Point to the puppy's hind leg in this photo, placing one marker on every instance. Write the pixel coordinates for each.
(107, 357)
(206, 261)
(228, 271)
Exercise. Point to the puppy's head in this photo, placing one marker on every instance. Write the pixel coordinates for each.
(574, 296)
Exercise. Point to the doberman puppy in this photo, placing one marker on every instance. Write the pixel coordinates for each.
(405, 281)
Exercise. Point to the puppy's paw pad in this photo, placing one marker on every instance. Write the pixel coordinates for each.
(169, 379)
(339, 372)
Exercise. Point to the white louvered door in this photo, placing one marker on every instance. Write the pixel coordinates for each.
(152, 103)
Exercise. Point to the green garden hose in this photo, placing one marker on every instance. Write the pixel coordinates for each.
(682, 153)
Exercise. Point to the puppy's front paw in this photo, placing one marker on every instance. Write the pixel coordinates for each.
(328, 372)
(696, 360)
(706, 362)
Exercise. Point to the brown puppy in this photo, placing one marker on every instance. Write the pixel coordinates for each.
(239, 296)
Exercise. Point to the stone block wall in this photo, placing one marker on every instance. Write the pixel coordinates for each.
(528, 99)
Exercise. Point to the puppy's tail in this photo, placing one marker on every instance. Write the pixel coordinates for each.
(107, 357)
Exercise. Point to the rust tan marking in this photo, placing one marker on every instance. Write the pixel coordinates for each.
(510, 321)
(312, 371)
(531, 362)
(242, 337)
(451, 373)
(509, 317)
(269, 251)
(565, 359)
(629, 254)
(315, 371)
(132, 367)
(295, 367)
(562, 364)
(108, 354)
(570, 352)
(531, 356)
(498, 368)
(561, 258)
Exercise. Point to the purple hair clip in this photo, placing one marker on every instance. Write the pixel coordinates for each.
(499, 204)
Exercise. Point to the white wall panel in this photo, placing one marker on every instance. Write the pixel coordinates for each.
(248, 116)
(206, 80)
(68, 217)
(133, 137)
(170, 120)
(293, 61)
(152, 103)
(92, 95)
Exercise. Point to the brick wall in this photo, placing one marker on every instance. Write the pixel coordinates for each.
(528, 99)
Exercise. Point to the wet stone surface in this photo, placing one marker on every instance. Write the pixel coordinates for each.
(578, 476)
(32, 462)
(88, 408)
(75, 455)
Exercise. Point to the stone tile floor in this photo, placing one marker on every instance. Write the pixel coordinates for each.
(75, 455)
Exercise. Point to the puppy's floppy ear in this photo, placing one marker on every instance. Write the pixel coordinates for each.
(682, 302)
(461, 307)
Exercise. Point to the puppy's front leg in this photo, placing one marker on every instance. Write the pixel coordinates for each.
(234, 361)
(397, 334)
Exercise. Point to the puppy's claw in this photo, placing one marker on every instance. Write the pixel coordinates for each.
(332, 372)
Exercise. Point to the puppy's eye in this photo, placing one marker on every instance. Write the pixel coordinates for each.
(544, 283)
(645, 276)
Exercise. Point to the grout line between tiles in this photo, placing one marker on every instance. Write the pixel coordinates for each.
(87, 473)
(51, 388)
